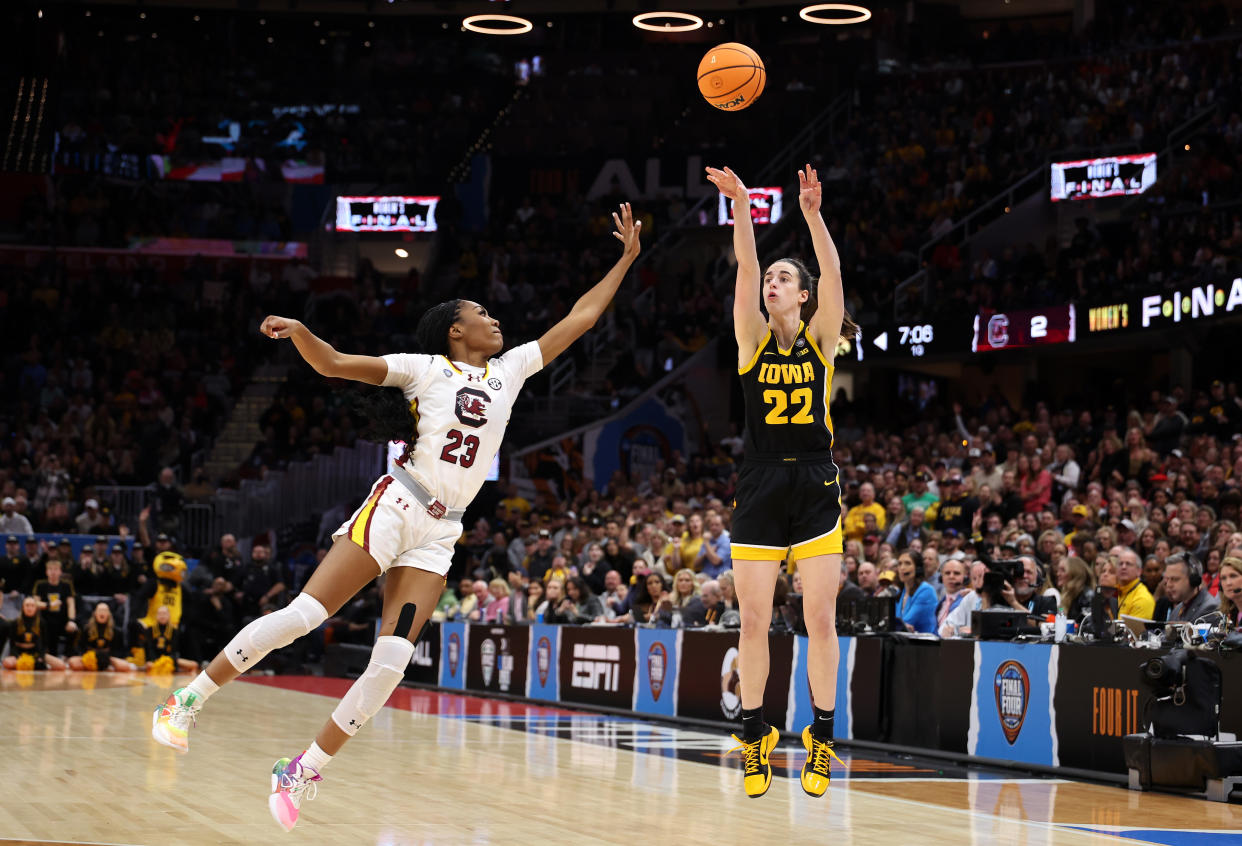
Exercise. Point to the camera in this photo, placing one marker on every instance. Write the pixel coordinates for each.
(1000, 571)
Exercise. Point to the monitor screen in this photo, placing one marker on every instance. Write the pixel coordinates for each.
(386, 214)
(765, 207)
(1111, 176)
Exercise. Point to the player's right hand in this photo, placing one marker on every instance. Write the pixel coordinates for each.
(279, 327)
(729, 184)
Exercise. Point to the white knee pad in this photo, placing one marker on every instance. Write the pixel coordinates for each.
(368, 694)
(272, 631)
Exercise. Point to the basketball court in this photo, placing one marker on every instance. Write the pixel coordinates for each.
(435, 768)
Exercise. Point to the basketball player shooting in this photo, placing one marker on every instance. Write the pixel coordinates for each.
(788, 491)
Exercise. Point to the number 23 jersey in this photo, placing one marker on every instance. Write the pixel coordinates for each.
(460, 413)
(786, 395)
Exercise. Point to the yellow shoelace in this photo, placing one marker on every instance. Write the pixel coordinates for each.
(750, 753)
(822, 756)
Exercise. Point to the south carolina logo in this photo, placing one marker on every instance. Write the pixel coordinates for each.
(657, 663)
(454, 652)
(487, 657)
(543, 659)
(998, 333)
(1013, 687)
(472, 407)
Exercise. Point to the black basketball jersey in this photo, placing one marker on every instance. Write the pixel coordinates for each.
(786, 394)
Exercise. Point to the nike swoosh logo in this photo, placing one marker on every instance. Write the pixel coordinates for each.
(827, 484)
(769, 352)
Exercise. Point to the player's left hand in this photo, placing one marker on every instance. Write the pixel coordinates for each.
(809, 192)
(628, 230)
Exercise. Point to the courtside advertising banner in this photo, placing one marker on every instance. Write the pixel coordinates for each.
(1011, 707)
(453, 655)
(656, 691)
(709, 686)
(497, 659)
(597, 666)
(1100, 698)
(545, 656)
(801, 707)
(424, 665)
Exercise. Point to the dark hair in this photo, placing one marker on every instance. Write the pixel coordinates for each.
(808, 283)
(386, 414)
(584, 590)
(918, 568)
(433, 326)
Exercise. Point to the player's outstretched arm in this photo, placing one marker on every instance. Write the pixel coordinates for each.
(748, 323)
(826, 324)
(591, 305)
(322, 356)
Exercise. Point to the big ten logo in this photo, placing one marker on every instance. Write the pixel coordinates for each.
(1012, 687)
(596, 667)
(422, 655)
(657, 665)
(1114, 711)
(543, 659)
(454, 652)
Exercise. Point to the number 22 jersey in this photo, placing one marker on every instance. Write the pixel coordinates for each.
(786, 395)
(460, 413)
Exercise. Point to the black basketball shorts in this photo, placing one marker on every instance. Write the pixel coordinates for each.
(786, 505)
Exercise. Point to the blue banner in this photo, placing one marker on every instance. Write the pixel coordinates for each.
(453, 655)
(635, 444)
(801, 711)
(1011, 715)
(658, 651)
(545, 655)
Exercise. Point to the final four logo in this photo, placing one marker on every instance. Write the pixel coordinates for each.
(454, 652)
(657, 665)
(1013, 688)
(543, 659)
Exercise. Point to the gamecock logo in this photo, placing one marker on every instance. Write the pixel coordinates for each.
(472, 407)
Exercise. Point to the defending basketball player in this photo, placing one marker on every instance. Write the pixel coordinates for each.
(459, 397)
(788, 491)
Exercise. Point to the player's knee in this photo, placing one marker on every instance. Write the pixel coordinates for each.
(389, 658)
(755, 621)
(281, 628)
(820, 622)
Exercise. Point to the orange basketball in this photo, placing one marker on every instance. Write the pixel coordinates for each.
(731, 76)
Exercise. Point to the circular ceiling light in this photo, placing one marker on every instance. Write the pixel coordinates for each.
(861, 13)
(521, 25)
(692, 22)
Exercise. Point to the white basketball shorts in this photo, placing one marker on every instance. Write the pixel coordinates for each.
(398, 532)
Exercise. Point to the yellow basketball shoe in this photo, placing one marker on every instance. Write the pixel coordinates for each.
(755, 762)
(819, 756)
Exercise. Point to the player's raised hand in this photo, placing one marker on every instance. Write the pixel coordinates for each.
(729, 184)
(809, 193)
(628, 230)
(279, 327)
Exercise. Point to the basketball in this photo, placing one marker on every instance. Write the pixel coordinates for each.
(731, 76)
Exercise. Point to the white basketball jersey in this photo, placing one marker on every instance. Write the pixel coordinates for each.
(461, 413)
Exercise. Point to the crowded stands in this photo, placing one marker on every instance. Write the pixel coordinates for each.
(130, 385)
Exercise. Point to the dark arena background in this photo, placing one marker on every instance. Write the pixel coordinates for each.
(1037, 206)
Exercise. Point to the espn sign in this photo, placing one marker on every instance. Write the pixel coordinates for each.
(596, 667)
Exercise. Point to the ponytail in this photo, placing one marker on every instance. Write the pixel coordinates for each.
(388, 416)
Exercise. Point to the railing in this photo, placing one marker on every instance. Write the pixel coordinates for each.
(564, 373)
(304, 488)
(964, 230)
